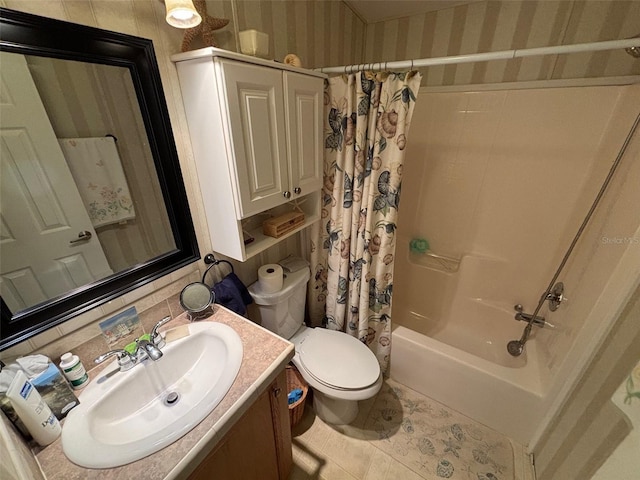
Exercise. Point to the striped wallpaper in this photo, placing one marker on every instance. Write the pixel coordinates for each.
(504, 25)
(321, 33)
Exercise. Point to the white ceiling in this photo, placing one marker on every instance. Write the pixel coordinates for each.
(372, 11)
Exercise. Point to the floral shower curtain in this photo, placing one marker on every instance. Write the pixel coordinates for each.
(367, 119)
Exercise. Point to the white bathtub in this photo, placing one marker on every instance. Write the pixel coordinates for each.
(506, 399)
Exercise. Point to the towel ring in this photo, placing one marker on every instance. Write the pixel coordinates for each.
(212, 261)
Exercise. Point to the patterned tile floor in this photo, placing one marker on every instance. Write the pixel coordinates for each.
(403, 435)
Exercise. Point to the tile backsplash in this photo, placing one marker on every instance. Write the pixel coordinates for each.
(82, 335)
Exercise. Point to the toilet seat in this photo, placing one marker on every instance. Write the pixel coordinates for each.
(336, 360)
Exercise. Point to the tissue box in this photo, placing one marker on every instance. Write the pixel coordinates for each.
(278, 226)
(255, 43)
(54, 390)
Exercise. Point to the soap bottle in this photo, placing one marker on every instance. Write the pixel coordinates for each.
(33, 410)
(73, 369)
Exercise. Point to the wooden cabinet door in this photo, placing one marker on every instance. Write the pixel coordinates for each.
(256, 115)
(258, 446)
(304, 100)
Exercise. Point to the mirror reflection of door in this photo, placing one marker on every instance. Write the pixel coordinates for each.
(42, 214)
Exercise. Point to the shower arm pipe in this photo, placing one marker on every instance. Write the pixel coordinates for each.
(527, 329)
(484, 57)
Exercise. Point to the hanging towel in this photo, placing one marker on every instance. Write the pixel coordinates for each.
(231, 293)
(97, 170)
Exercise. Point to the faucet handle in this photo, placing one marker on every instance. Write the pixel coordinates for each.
(125, 361)
(156, 338)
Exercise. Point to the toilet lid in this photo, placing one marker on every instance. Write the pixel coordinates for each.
(338, 359)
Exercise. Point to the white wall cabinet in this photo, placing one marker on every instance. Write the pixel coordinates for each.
(256, 133)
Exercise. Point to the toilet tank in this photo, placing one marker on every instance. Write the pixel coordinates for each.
(282, 312)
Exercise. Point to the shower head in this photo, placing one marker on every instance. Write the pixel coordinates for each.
(633, 51)
(515, 348)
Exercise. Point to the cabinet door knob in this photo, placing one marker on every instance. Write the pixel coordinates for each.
(287, 194)
(297, 190)
(276, 392)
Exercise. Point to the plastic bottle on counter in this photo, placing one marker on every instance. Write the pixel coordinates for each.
(73, 369)
(33, 410)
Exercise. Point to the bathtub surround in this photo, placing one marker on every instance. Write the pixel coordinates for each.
(367, 117)
(486, 157)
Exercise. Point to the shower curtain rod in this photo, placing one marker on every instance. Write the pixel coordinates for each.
(484, 57)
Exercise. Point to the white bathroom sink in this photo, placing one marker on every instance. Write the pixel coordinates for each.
(125, 416)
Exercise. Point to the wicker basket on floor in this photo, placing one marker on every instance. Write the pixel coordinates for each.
(295, 380)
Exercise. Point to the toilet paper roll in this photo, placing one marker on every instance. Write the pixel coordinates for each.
(270, 278)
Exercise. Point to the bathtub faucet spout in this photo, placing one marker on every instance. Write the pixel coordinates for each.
(537, 321)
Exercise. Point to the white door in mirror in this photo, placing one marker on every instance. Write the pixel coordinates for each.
(125, 416)
(40, 204)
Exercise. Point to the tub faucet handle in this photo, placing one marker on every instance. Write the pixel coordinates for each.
(556, 296)
(538, 321)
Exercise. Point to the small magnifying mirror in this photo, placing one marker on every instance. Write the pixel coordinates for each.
(197, 298)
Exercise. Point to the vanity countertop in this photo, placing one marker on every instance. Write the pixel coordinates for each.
(265, 355)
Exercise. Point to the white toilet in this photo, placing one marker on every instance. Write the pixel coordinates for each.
(339, 368)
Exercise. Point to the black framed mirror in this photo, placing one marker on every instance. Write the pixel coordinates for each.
(158, 197)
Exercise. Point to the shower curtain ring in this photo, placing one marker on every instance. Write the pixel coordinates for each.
(412, 64)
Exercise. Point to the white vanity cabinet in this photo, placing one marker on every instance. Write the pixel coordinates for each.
(256, 133)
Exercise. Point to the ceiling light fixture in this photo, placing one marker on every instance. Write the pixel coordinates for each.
(182, 14)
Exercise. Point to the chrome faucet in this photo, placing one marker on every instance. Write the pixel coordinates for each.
(147, 349)
(144, 349)
(156, 337)
(538, 321)
(126, 361)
